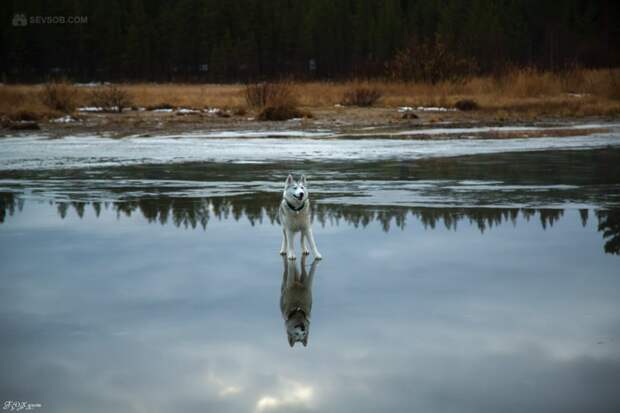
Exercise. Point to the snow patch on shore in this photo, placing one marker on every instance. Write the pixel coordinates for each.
(65, 119)
(434, 109)
(187, 111)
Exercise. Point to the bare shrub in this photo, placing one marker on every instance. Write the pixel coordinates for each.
(259, 95)
(282, 107)
(60, 96)
(276, 101)
(466, 104)
(25, 115)
(160, 106)
(111, 98)
(361, 96)
(280, 112)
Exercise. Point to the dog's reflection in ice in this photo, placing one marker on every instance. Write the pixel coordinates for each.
(296, 299)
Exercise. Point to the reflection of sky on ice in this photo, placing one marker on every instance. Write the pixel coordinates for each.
(100, 314)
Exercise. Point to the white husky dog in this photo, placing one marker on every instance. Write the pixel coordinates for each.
(296, 299)
(295, 217)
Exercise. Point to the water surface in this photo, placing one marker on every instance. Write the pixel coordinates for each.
(477, 283)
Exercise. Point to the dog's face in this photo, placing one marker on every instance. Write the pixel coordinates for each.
(297, 328)
(295, 192)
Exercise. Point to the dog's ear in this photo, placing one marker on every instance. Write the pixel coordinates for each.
(290, 341)
(289, 181)
(305, 342)
(303, 179)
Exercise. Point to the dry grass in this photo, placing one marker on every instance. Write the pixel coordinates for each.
(525, 93)
(21, 102)
(187, 95)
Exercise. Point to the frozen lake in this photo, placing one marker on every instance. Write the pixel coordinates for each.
(42, 152)
(143, 274)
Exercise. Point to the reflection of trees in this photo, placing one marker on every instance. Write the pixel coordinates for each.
(263, 207)
(609, 225)
(357, 216)
(257, 208)
(483, 218)
(188, 212)
(8, 203)
(583, 213)
(549, 216)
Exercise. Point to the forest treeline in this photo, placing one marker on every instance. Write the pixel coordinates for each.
(242, 40)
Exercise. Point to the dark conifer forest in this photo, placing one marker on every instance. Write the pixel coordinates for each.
(242, 40)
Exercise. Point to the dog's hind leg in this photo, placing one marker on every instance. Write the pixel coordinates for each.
(310, 237)
(283, 247)
(304, 248)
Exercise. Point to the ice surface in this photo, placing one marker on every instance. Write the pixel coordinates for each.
(484, 129)
(40, 152)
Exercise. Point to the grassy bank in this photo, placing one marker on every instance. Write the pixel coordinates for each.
(524, 93)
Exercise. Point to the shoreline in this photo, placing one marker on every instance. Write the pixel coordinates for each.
(341, 123)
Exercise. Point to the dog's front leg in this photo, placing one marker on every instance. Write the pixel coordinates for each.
(291, 275)
(290, 252)
(310, 237)
(309, 277)
(304, 248)
(283, 247)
